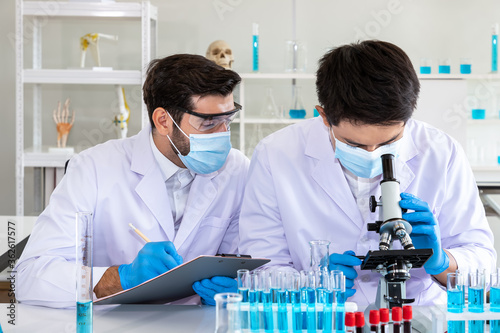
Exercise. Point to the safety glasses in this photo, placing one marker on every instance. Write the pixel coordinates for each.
(204, 122)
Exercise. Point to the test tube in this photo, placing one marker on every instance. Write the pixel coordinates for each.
(283, 299)
(227, 315)
(254, 300)
(322, 282)
(293, 287)
(266, 299)
(243, 278)
(476, 300)
(456, 300)
(495, 299)
(311, 301)
(84, 293)
(328, 300)
(338, 285)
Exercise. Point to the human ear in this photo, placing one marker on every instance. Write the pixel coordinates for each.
(321, 112)
(163, 123)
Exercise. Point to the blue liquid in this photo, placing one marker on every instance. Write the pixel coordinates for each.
(296, 310)
(244, 314)
(425, 69)
(327, 311)
(340, 311)
(494, 53)
(84, 317)
(456, 300)
(476, 326)
(478, 113)
(244, 294)
(495, 299)
(316, 113)
(465, 69)
(282, 311)
(267, 300)
(254, 297)
(498, 160)
(456, 327)
(494, 326)
(309, 298)
(476, 299)
(274, 295)
(255, 47)
(297, 113)
(444, 69)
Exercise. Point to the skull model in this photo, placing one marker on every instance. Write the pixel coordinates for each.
(220, 53)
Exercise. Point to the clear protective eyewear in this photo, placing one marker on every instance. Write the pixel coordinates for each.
(204, 122)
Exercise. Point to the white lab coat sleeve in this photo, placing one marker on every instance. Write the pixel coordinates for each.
(46, 270)
(261, 230)
(465, 232)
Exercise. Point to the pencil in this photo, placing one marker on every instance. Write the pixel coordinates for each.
(139, 233)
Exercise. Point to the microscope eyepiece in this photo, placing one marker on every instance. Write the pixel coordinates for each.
(388, 168)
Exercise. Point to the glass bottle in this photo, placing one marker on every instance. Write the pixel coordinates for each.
(297, 110)
(320, 254)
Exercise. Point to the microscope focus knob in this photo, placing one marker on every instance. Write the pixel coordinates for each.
(373, 204)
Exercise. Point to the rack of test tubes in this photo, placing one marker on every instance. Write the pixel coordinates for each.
(275, 300)
(466, 308)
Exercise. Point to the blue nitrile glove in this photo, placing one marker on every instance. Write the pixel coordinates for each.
(153, 259)
(345, 262)
(425, 232)
(207, 288)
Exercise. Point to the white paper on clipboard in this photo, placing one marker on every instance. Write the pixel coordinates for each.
(176, 283)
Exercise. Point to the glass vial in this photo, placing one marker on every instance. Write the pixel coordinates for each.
(227, 313)
(255, 47)
(320, 254)
(494, 48)
(84, 264)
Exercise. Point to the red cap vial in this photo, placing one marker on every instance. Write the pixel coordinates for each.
(407, 312)
(360, 319)
(384, 315)
(350, 319)
(374, 317)
(397, 314)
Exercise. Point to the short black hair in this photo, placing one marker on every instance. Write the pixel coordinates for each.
(370, 82)
(172, 82)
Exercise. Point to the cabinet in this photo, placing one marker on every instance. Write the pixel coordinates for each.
(31, 18)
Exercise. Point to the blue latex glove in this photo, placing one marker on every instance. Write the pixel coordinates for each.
(153, 259)
(425, 232)
(207, 288)
(345, 262)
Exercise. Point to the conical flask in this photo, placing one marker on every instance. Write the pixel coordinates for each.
(297, 110)
(270, 110)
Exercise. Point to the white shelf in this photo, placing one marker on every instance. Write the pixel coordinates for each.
(459, 76)
(82, 76)
(307, 76)
(44, 159)
(86, 9)
(486, 174)
(483, 122)
(285, 121)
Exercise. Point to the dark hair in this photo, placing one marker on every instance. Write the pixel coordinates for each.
(172, 81)
(370, 82)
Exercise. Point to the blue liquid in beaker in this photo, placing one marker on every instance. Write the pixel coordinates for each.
(476, 326)
(456, 326)
(444, 69)
(478, 113)
(84, 317)
(297, 113)
(476, 299)
(456, 300)
(425, 69)
(465, 69)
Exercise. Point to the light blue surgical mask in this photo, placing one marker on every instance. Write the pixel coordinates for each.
(363, 163)
(208, 152)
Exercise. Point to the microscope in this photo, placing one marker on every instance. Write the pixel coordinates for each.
(393, 265)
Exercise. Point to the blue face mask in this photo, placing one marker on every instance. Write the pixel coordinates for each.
(363, 163)
(208, 152)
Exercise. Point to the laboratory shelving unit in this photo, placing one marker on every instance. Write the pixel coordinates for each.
(37, 12)
(483, 173)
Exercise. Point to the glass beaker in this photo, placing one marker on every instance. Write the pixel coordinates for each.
(227, 312)
(295, 56)
(84, 285)
(320, 254)
(456, 300)
(297, 110)
(270, 110)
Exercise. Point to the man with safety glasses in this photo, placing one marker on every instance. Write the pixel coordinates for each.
(178, 181)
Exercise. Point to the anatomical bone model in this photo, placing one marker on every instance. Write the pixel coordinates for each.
(62, 125)
(92, 41)
(121, 119)
(221, 53)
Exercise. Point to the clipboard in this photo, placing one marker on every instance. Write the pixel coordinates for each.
(177, 282)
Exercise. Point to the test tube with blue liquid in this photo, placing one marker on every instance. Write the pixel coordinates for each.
(456, 300)
(254, 300)
(84, 293)
(267, 300)
(243, 278)
(310, 301)
(495, 299)
(338, 286)
(320, 258)
(283, 295)
(322, 280)
(293, 287)
(476, 300)
(328, 300)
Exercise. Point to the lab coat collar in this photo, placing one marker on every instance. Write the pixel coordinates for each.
(151, 188)
(328, 171)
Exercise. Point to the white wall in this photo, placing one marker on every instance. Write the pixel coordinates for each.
(424, 28)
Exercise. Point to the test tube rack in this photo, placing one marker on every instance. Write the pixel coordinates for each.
(440, 316)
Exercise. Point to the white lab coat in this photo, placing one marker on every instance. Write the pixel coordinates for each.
(297, 192)
(120, 182)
